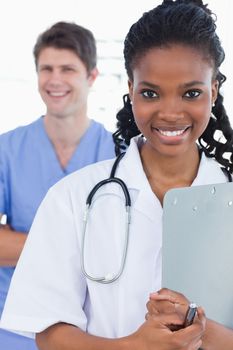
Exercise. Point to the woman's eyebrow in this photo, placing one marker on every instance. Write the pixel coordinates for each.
(192, 83)
(185, 85)
(148, 84)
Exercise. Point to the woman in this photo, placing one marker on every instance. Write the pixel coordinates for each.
(172, 56)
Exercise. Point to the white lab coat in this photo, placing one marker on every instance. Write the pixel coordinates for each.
(48, 286)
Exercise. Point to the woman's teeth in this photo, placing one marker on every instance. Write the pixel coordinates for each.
(171, 133)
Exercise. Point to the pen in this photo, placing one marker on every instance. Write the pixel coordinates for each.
(190, 314)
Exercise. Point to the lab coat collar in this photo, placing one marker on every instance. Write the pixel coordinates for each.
(131, 171)
(209, 172)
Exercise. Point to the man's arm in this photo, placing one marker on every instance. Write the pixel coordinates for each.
(11, 245)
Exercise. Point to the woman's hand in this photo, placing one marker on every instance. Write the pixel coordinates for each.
(167, 301)
(155, 333)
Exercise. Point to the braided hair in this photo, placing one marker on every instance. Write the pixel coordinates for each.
(191, 23)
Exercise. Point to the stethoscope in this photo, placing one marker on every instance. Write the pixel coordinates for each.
(110, 277)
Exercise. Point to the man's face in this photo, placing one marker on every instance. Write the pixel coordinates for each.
(63, 82)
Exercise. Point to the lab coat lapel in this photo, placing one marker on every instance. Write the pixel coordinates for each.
(132, 172)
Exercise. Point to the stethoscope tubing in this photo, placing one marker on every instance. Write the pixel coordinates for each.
(109, 277)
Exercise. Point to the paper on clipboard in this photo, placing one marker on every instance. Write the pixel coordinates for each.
(198, 247)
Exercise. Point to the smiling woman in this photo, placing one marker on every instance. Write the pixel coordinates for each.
(172, 57)
(172, 90)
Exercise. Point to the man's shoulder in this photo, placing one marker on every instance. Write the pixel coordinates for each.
(100, 128)
(102, 140)
(15, 136)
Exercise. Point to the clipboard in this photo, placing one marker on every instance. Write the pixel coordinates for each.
(197, 253)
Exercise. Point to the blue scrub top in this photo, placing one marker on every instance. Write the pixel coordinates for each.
(29, 167)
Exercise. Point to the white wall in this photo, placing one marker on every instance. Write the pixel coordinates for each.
(22, 21)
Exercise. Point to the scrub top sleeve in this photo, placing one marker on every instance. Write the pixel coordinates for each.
(2, 185)
(48, 286)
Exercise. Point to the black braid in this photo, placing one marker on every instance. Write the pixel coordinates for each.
(218, 122)
(191, 23)
(126, 126)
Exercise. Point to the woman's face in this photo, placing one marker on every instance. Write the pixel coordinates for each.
(172, 93)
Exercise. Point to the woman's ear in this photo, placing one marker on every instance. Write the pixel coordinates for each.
(215, 86)
(130, 86)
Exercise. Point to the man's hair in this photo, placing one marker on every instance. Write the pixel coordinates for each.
(70, 36)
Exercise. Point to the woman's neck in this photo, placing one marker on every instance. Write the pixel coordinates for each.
(167, 172)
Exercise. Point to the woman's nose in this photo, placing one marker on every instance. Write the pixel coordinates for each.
(170, 111)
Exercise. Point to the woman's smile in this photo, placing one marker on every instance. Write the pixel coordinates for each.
(171, 135)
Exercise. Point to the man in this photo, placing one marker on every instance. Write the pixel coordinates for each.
(34, 157)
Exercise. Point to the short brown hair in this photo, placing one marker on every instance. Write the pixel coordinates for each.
(71, 36)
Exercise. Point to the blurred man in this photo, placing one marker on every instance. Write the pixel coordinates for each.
(34, 157)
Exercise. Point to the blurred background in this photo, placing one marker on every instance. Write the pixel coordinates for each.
(22, 21)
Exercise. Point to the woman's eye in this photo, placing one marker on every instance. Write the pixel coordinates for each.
(149, 94)
(192, 93)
